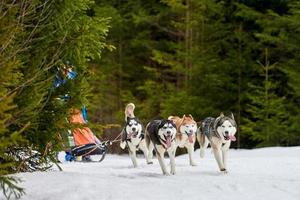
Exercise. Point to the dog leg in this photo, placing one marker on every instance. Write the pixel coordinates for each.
(171, 153)
(132, 153)
(190, 149)
(175, 149)
(144, 148)
(225, 150)
(160, 156)
(216, 146)
(123, 140)
(203, 146)
(174, 152)
(150, 153)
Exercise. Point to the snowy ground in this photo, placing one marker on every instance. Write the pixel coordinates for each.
(268, 173)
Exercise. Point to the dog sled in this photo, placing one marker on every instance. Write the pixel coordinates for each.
(83, 142)
(87, 150)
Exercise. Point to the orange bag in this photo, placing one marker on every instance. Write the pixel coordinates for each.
(81, 135)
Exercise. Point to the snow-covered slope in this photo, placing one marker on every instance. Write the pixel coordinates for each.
(268, 173)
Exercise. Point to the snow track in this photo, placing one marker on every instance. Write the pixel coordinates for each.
(267, 173)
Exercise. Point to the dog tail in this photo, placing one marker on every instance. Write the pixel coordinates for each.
(170, 117)
(129, 111)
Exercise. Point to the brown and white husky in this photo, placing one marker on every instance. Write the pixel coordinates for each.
(186, 134)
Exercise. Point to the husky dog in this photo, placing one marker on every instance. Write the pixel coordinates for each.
(219, 132)
(133, 135)
(160, 135)
(186, 134)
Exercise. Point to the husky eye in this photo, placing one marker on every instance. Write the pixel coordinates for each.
(223, 126)
(230, 126)
(136, 124)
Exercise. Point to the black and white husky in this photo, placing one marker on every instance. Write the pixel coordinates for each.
(160, 135)
(133, 135)
(219, 132)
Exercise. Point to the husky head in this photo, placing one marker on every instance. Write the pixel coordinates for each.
(226, 127)
(188, 126)
(133, 127)
(166, 132)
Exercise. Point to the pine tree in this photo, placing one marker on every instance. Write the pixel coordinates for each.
(292, 71)
(267, 123)
(34, 46)
(66, 34)
(10, 29)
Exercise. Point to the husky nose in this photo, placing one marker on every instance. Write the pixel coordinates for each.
(133, 129)
(226, 132)
(169, 132)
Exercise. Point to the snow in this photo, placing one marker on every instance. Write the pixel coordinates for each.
(266, 173)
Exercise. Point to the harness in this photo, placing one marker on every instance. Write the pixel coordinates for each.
(209, 127)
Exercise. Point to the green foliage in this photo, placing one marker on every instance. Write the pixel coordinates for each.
(10, 188)
(268, 120)
(37, 38)
(9, 78)
(69, 34)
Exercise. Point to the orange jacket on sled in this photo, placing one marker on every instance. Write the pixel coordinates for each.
(81, 135)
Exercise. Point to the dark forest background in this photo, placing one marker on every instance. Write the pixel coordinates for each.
(203, 57)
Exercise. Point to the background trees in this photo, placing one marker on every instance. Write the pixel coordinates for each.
(204, 57)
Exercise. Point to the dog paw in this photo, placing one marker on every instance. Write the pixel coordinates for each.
(123, 145)
(193, 164)
(150, 163)
(224, 171)
(202, 154)
(173, 173)
(167, 174)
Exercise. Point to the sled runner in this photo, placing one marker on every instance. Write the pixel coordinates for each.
(87, 150)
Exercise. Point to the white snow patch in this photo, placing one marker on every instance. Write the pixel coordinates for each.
(266, 174)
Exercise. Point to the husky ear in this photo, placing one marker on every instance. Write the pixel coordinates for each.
(232, 116)
(161, 123)
(221, 114)
(173, 124)
(183, 116)
(191, 116)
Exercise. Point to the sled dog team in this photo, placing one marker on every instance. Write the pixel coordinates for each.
(167, 135)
